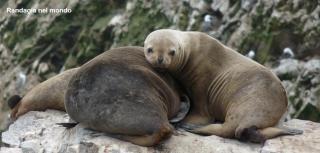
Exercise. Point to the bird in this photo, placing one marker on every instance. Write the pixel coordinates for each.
(287, 53)
(21, 79)
(210, 22)
(251, 54)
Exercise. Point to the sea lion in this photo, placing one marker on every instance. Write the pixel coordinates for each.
(223, 86)
(48, 94)
(119, 93)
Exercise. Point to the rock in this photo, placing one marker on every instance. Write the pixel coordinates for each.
(247, 4)
(306, 143)
(31, 146)
(10, 150)
(220, 5)
(38, 132)
(288, 68)
(301, 81)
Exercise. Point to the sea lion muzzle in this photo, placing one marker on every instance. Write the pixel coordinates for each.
(160, 60)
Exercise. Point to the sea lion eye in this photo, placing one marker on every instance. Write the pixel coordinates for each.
(149, 50)
(172, 52)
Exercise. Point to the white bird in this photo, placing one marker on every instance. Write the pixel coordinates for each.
(21, 79)
(208, 18)
(251, 54)
(207, 24)
(287, 53)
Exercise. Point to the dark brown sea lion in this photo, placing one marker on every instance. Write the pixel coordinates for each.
(119, 93)
(223, 86)
(46, 95)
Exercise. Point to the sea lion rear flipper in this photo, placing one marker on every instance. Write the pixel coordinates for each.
(67, 125)
(253, 134)
(183, 111)
(13, 101)
(151, 139)
(225, 130)
(272, 132)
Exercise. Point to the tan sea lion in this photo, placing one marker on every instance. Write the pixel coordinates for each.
(223, 86)
(46, 95)
(119, 93)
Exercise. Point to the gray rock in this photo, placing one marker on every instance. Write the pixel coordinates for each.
(289, 67)
(301, 81)
(306, 143)
(220, 5)
(247, 4)
(31, 146)
(38, 132)
(10, 150)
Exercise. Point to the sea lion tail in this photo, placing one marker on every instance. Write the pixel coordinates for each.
(13, 101)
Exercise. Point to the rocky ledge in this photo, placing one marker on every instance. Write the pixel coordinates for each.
(37, 132)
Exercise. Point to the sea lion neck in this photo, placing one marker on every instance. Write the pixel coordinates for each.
(183, 56)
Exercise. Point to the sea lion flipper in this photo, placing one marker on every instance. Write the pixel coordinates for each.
(250, 134)
(188, 126)
(272, 132)
(151, 139)
(253, 134)
(222, 130)
(13, 101)
(183, 111)
(67, 125)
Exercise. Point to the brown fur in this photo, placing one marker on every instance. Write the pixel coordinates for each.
(121, 81)
(46, 95)
(223, 85)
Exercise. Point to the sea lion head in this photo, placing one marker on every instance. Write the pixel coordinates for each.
(161, 49)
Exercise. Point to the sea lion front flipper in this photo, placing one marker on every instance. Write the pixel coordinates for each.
(183, 111)
(67, 125)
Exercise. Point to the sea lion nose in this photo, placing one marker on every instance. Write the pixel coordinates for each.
(160, 60)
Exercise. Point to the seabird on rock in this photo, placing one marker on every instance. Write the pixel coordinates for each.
(207, 24)
(287, 53)
(251, 54)
(21, 79)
